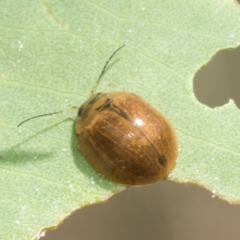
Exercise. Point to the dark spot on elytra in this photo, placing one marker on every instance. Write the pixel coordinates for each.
(162, 161)
(120, 112)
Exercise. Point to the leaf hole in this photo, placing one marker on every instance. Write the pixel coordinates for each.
(219, 81)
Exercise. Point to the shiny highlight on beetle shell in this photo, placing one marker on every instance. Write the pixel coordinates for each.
(125, 139)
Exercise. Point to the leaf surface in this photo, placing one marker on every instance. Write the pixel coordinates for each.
(51, 54)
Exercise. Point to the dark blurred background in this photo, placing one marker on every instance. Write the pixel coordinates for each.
(167, 210)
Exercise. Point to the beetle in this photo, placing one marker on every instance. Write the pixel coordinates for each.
(124, 138)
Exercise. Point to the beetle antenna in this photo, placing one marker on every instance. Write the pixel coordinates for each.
(99, 78)
(105, 66)
(46, 114)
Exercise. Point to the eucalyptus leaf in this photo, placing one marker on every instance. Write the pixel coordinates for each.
(51, 54)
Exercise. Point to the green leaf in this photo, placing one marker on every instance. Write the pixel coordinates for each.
(52, 52)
